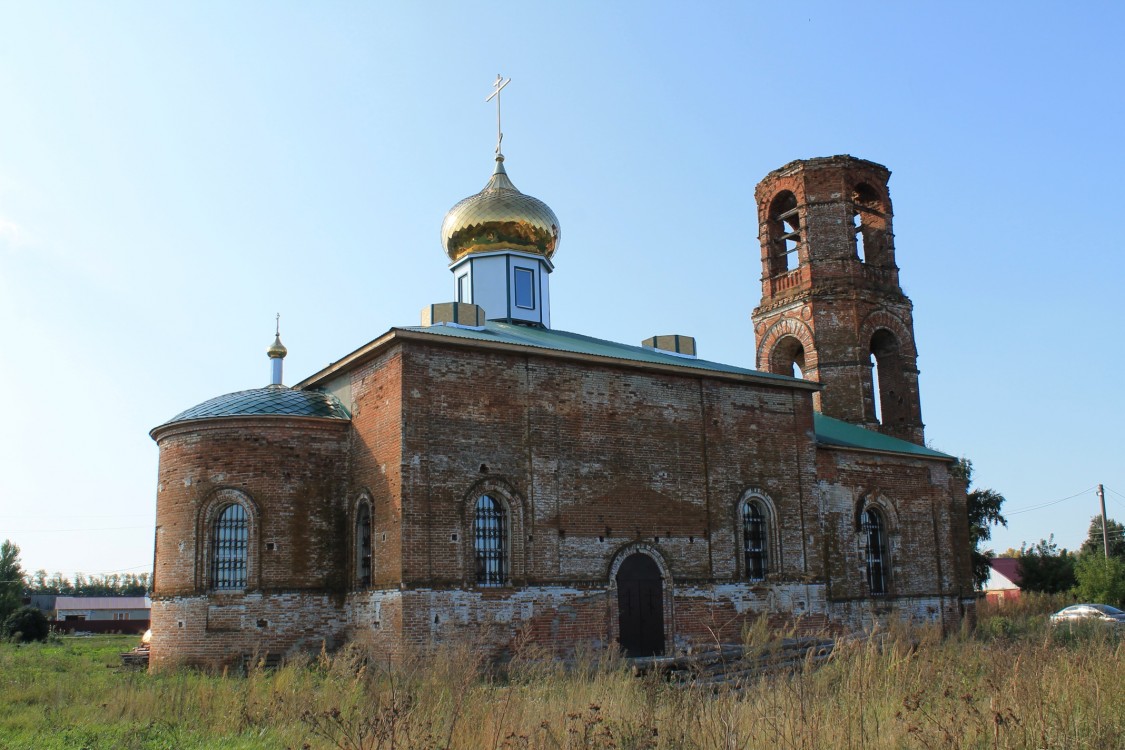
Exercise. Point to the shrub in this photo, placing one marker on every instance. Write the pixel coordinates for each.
(27, 624)
(999, 627)
(1100, 579)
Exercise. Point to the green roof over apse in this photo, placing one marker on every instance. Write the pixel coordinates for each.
(563, 341)
(835, 432)
(272, 401)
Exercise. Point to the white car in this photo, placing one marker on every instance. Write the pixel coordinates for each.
(1097, 612)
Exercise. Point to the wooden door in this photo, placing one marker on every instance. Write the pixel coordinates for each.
(640, 604)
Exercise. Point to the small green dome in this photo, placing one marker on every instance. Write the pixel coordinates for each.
(271, 401)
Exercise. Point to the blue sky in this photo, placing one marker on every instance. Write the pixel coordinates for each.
(172, 175)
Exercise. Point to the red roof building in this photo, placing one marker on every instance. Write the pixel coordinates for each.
(1004, 578)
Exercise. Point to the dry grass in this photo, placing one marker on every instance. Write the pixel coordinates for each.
(1016, 684)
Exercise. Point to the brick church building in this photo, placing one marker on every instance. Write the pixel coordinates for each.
(486, 476)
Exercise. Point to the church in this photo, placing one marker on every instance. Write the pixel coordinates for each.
(484, 476)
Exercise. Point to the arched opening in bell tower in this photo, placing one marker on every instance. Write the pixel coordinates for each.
(784, 228)
(886, 374)
(788, 357)
(869, 224)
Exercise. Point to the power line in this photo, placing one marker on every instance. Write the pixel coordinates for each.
(75, 515)
(60, 531)
(122, 570)
(1047, 505)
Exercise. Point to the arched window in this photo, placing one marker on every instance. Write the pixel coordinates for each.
(755, 536)
(363, 545)
(875, 531)
(229, 547)
(490, 530)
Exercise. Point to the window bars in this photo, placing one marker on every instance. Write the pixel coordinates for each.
(876, 550)
(229, 540)
(491, 542)
(754, 541)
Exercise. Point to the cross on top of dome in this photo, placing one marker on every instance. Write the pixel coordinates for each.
(498, 86)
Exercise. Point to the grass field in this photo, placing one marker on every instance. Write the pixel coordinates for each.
(1013, 682)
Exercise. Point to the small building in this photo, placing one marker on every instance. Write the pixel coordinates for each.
(103, 614)
(45, 603)
(1004, 579)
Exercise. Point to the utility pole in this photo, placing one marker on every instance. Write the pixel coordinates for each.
(1105, 534)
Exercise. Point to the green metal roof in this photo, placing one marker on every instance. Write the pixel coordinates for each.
(836, 432)
(273, 400)
(564, 341)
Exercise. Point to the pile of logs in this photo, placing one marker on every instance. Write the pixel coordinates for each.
(137, 657)
(732, 666)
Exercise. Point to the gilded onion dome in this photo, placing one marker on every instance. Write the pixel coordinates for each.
(277, 349)
(500, 217)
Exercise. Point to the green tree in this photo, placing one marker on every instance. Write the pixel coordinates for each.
(127, 584)
(134, 585)
(11, 579)
(58, 584)
(1115, 533)
(984, 513)
(38, 582)
(27, 624)
(1100, 580)
(1046, 568)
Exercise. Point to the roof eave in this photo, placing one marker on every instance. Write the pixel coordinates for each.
(357, 356)
(882, 451)
(372, 349)
(161, 431)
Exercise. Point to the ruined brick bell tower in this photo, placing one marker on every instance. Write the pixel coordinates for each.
(832, 309)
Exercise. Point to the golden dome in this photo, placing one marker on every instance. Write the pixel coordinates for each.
(276, 348)
(500, 218)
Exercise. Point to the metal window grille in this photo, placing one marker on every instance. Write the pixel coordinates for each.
(229, 540)
(490, 528)
(363, 546)
(876, 550)
(754, 541)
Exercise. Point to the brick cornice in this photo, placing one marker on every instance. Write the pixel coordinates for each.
(196, 426)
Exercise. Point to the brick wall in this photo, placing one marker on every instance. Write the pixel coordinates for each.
(374, 392)
(289, 474)
(594, 461)
(590, 458)
(924, 506)
(222, 630)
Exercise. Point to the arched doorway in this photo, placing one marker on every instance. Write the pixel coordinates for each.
(640, 606)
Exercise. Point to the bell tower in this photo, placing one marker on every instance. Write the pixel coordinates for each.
(832, 309)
